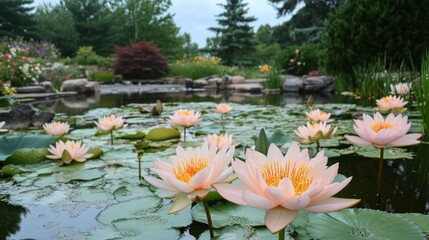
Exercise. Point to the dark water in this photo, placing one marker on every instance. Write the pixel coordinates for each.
(405, 186)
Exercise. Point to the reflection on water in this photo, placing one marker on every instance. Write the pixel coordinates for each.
(81, 103)
(403, 189)
(10, 219)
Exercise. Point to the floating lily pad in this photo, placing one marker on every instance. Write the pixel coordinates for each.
(96, 152)
(162, 133)
(26, 156)
(132, 136)
(81, 175)
(421, 220)
(389, 153)
(361, 224)
(225, 214)
(11, 143)
(10, 170)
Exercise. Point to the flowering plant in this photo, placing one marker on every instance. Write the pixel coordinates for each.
(297, 64)
(17, 68)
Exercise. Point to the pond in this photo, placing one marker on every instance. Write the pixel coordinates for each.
(103, 198)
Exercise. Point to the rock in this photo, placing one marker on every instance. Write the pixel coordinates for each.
(74, 85)
(319, 84)
(215, 81)
(181, 80)
(92, 87)
(200, 83)
(25, 116)
(237, 80)
(81, 85)
(39, 118)
(49, 88)
(246, 87)
(292, 83)
(31, 89)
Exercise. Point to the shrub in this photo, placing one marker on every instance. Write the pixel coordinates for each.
(17, 68)
(36, 49)
(102, 76)
(299, 60)
(142, 60)
(362, 31)
(59, 73)
(198, 67)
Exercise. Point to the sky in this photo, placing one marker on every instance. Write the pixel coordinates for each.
(195, 16)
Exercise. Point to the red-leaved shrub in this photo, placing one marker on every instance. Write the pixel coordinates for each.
(142, 60)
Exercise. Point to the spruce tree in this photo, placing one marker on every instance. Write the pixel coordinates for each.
(235, 36)
(16, 19)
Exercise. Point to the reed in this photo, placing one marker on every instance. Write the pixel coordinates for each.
(421, 92)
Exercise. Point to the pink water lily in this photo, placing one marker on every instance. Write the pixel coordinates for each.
(314, 132)
(56, 128)
(110, 123)
(283, 184)
(380, 132)
(318, 115)
(184, 118)
(391, 103)
(223, 108)
(191, 172)
(222, 140)
(76, 149)
(402, 89)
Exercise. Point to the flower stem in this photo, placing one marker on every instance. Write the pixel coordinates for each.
(184, 137)
(380, 172)
(317, 147)
(209, 218)
(111, 137)
(282, 234)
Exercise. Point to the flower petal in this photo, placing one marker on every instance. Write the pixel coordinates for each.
(407, 140)
(357, 140)
(231, 192)
(181, 202)
(278, 218)
(160, 184)
(331, 204)
(258, 201)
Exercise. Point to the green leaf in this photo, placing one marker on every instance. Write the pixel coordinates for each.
(26, 156)
(66, 157)
(96, 152)
(279, 139)
(131, 136)
(262, 143)
(10, 143)
(389, 153)
(162, 133)
(421, 220)
(225, 214)
(358, 224)
(10, 170)
(82, 175)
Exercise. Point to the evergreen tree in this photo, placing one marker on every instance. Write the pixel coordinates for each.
(147, 20)
(235, 35)
(364, 31)
(16, 18)
(93, 20)
(56, 24)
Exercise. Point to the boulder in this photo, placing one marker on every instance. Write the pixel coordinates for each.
(215, 81)
(49, 88)
(25, 116)
(292, 83)
(246, 87)
(74, 85)
(319, 84)
(31, 89)
(81, 85)
(237, 80)
(200, 83)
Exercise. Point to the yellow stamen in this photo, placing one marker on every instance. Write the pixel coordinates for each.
(56, 124)
(378, 125)
(387, 99)
(274, 172)
(186, 169)
(184, 113)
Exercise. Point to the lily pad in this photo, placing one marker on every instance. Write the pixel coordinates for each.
(11, 143)
(10, 170)
(96, 152)
(81, 175)
(361, 224)
(225, 214)
(26, 156)
(162, 133)
(421, 220)
(389, 153)
(131, 136)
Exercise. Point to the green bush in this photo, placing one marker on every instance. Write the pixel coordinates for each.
(199, 67)
(308, 59)
(362, 31)
(102, 76)
(86, 56)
